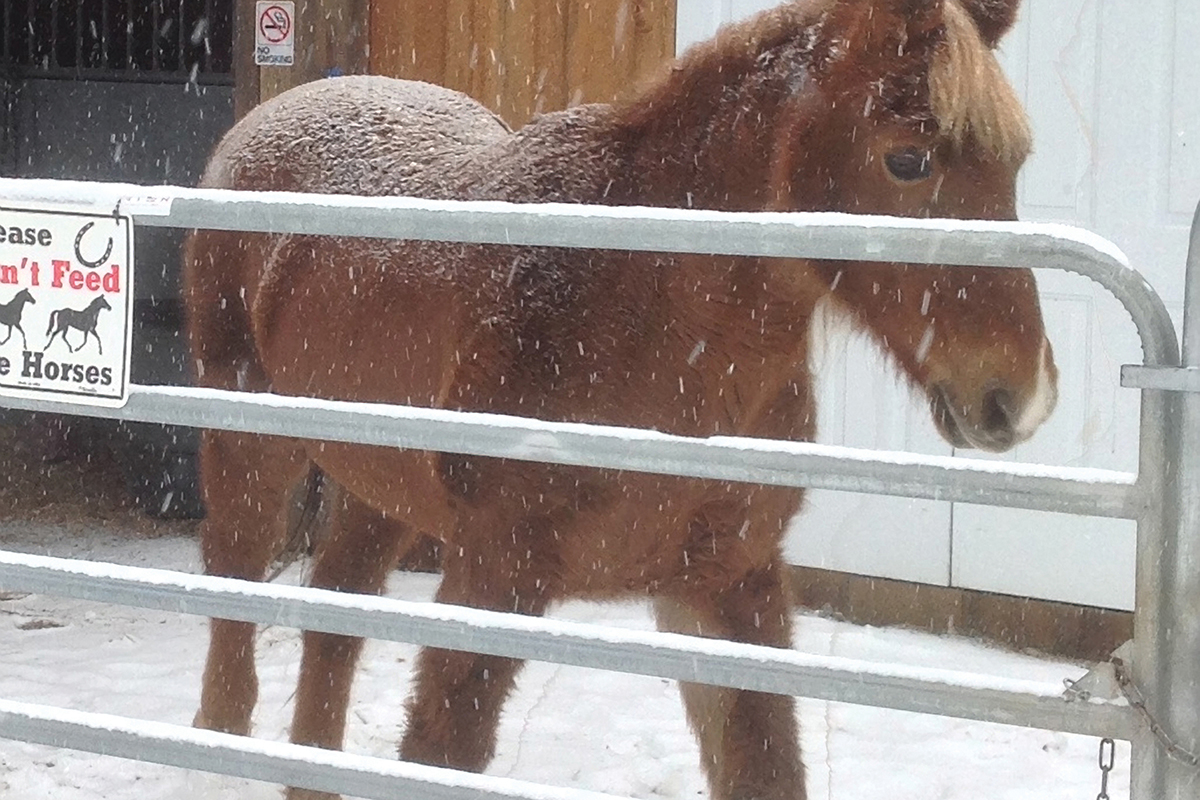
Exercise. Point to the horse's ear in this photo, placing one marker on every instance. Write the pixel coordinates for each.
(994, 18)
(884, 37)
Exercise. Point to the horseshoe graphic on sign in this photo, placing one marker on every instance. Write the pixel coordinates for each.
(87, 262)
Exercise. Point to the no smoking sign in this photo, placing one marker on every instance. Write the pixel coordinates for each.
(275, 33)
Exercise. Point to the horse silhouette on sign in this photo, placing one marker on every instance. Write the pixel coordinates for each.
(10, 315)
(84, 320)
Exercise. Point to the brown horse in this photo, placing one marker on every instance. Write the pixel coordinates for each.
(880, 106)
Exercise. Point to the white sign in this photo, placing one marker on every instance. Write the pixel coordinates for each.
(275, 33)
(66, 305)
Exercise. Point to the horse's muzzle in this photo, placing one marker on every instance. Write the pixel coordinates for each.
(1002, 416)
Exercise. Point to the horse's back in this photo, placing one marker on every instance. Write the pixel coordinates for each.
(358, 135)
(363, 135)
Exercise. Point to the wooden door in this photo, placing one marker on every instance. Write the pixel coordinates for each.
(331, 39)
(523, 57)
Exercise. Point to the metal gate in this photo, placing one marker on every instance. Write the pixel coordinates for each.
(1156, 701)
(125, 90)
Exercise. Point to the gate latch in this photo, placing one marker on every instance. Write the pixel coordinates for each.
(1171, 379)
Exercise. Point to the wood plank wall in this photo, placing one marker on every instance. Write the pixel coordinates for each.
(523, 57)
(1059, 629)
(331, 35)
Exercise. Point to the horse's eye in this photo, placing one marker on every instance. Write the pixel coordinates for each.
(910, 164)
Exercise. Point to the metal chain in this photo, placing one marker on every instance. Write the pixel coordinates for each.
(1134, 696)
(1108, 749)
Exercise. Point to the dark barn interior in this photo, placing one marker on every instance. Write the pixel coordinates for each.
(123, 90)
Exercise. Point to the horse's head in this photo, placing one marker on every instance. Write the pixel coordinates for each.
(901, 108)
(25, 296)
(101, 303)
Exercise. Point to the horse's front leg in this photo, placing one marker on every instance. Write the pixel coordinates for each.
(10, 330)
(92, 332)
(749, 741)
(246, 480)
(361, 549)
(495, 564)
(24, 341)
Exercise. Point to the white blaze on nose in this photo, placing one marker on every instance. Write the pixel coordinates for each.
(1041, 402)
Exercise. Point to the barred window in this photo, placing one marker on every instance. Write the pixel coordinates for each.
(189, 40)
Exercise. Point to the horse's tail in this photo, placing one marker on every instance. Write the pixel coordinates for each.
(218, 322)
(307, 518)
(219, 268)
(311, 509)
(53, 319)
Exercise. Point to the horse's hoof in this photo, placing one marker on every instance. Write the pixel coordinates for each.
(202, 721)
(309, 794)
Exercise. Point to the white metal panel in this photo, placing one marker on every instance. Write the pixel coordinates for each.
(1138, 97)
(697, 20)
(862, 404)
(1072, 559)
(1111, 89)
(1184, 165)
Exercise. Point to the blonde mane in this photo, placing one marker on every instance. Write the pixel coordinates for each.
(970, 95)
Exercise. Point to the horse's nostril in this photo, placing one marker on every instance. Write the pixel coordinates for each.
(998, 412)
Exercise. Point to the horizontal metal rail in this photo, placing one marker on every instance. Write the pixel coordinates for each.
(685, 658)
(851, 237)
(275, 762)
(1095, 492)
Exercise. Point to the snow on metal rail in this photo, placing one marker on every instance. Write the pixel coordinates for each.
(796, 235)
(258, 759)
(664, 655)
(1096, 492)
(1166, 647)
(852, 237)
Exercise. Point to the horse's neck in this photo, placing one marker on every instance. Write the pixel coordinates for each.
(744, 338)
(712, 148)
(709, 148)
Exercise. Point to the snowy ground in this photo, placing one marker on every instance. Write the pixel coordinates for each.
(565, 726)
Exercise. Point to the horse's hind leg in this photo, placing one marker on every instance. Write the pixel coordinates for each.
(246, 481)
(749, 742)
(361, 549)
(455, 708)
